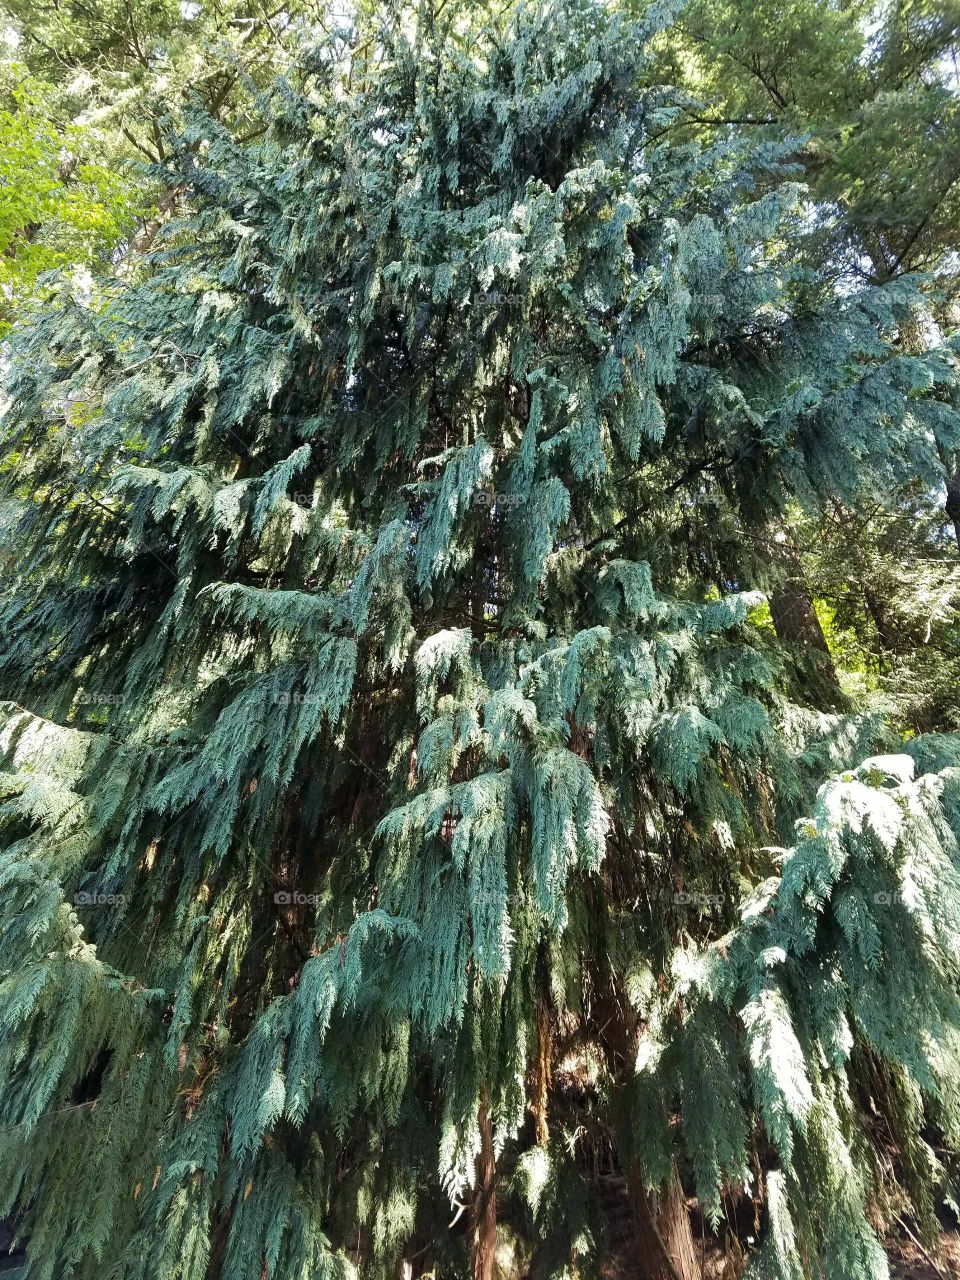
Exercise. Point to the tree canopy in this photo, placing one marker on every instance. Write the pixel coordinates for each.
(450, 791)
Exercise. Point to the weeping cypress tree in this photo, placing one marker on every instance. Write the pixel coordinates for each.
(408, 809)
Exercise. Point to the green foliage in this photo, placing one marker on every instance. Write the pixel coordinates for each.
(123, 70)
(60, 207)
(870, 100)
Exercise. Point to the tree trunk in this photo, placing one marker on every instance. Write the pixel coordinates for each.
(665, 1244)
(665, 1248)
(886, 632)
(795, 618)
(543, 1066)
(142, 241)
(483, 1224)
(951, 471)
(953, 503)
(797, 625)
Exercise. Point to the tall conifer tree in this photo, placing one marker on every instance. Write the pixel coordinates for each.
(408, 811)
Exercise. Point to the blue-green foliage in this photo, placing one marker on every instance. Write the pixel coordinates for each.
(381, 724)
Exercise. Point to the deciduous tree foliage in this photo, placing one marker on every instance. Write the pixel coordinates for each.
(407, 814)
(126, 68)
(61, 205)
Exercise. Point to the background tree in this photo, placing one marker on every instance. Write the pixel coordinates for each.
(89, 91)
(870, 97)
(130, 67)
(60, 206)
